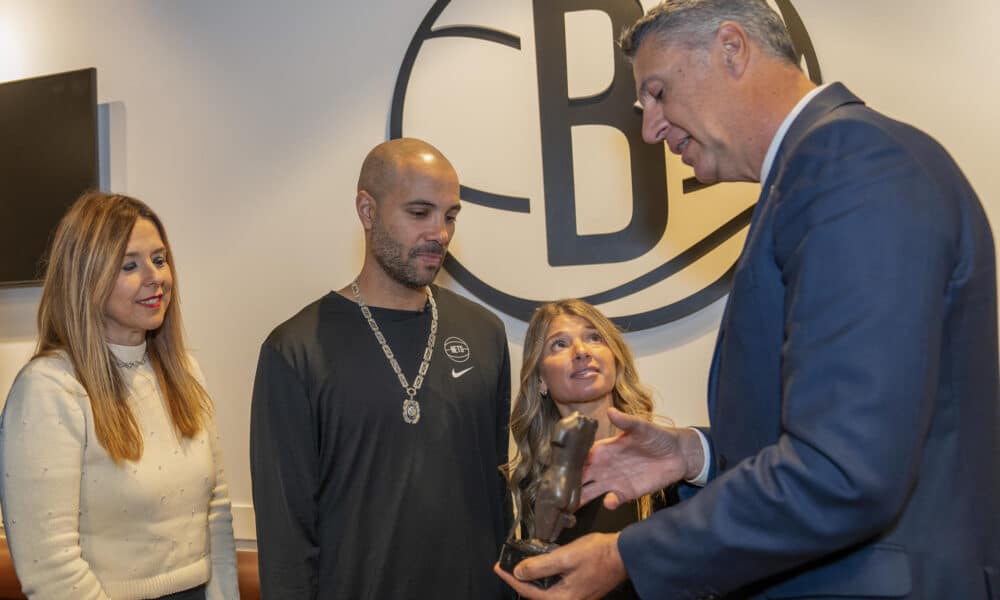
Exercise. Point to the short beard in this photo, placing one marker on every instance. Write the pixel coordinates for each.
(389, 255)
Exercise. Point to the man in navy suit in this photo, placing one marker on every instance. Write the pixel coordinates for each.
(853, 394)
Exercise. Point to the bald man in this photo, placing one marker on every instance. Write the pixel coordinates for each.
(380, 413)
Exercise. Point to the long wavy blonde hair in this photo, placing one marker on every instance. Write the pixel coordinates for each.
(82, 268)
(533, 416)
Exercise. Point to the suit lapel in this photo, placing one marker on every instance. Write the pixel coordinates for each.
(826, 101)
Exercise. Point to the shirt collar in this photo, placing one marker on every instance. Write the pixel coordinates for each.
(779, 136)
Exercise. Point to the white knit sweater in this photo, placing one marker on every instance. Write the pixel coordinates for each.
(81, 527)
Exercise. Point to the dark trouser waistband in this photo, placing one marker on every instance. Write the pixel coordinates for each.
(195, 593)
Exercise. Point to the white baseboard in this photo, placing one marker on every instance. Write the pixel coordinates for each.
(244, 529)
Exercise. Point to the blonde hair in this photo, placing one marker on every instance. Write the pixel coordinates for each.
(534, 416)
(82, 268)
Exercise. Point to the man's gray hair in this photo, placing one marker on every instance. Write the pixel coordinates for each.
(694, 24)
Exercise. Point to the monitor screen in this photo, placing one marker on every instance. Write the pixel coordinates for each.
(48, 157)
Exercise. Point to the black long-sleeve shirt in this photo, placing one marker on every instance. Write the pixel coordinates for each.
(351, 501)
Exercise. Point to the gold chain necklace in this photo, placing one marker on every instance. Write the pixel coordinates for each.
(411, 408)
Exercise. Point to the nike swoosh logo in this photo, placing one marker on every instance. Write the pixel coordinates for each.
(457, 374)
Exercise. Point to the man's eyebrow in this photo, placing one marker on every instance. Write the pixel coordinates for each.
(420, 203)
(643, 87)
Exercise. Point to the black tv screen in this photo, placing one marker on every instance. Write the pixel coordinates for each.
(48, 157)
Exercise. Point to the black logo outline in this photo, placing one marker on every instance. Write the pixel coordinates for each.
(522, 308)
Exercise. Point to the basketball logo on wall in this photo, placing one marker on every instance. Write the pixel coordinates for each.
(535, 106)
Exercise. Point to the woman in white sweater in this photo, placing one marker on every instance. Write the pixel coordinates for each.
(112, 480)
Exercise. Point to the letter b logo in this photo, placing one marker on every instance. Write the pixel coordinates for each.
(613, 108)
(535, 106)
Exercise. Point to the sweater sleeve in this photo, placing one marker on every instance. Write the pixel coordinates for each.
(223, 583)
(42, 439)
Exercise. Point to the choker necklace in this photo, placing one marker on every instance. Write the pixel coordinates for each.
(411, 408)
(132, 364)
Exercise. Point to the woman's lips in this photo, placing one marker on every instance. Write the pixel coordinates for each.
(152, 301)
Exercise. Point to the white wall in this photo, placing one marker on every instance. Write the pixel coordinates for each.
(244, 122)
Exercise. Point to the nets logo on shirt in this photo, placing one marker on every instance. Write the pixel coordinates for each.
(535, 105)
(456, 349)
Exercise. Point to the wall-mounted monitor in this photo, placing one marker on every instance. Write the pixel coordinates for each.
(48, 157)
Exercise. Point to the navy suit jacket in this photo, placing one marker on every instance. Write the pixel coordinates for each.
(853, 395)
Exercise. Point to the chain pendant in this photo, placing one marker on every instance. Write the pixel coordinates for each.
(411, 411)
(411, 408)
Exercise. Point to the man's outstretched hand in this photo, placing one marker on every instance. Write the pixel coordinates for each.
(642, 458)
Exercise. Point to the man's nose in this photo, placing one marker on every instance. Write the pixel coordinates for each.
(441, 232)
(654, 125)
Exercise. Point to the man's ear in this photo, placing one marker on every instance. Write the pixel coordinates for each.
(365, 205)
(733, 46)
